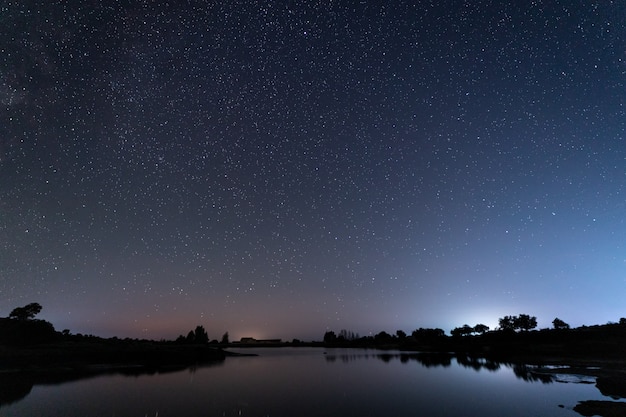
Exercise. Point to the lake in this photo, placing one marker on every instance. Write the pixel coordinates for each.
(316, 382)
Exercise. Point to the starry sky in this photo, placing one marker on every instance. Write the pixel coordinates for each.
(276, 169)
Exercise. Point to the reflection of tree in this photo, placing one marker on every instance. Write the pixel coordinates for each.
(425, 358)
(444, 359)
(477, 363)
(13, 388)
(344, 357)
(430, 360)
(522, 371)
(386, 357)
(491, 365)
(468, 362)
(527, 374)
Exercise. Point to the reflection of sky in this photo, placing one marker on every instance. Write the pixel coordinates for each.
(279, 171)
(307, 384)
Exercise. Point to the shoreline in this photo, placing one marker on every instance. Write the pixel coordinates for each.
(45, 364)
(98, 355)
(160, 354)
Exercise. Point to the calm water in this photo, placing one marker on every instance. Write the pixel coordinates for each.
(314, 382)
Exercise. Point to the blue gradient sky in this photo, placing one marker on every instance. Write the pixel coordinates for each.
(282, 169)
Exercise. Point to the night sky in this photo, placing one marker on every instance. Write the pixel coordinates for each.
(279, 169)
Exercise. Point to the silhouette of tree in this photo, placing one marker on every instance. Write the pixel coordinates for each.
(225, 339)
(191, 337)
(347, 335)
(525, 322)
(507, 323)
(401, 334)
(522, 322)
(481, 329)
(330, 337)
(20, 329)
(466, 330)
(27, 312)
(456, 332)
(559, 324)
(422, 334)
(200, 335)
(383, 337)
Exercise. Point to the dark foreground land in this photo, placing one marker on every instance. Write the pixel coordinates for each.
(33, 353)
(103, 353)
(23, 367)
(34, 345)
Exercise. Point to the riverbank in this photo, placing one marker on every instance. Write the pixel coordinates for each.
(84, 355)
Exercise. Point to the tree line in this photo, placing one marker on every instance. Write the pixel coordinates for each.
(22, 328)
(200, 336)
(422, 334)
(521, 323)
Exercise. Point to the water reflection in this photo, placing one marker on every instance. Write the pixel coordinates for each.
(444, 359)
(14, 386)
(309, 382)
(610, 384)
(425, 358)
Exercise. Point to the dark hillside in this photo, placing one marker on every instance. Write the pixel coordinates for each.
(14, 332)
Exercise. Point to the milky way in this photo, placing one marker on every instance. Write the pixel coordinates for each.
(279, 169)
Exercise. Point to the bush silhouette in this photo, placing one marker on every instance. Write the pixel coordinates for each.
(26, 332)
(27, 312)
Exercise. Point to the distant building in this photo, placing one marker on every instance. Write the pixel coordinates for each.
(252, 340)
